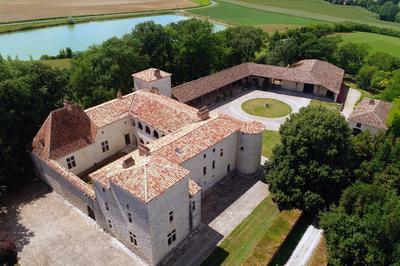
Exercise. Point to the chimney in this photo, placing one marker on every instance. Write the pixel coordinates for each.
(67, 105)
(157, 72)
(143, 150)
(371, 101)
(119, 95)
(203, 113)
(128, 162)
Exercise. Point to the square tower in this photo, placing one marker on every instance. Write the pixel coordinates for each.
(153, 78)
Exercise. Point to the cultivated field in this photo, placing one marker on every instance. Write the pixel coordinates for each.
(240, 15)
(375, 42)
(34, 9)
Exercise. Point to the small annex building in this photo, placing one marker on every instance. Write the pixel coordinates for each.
(307, 76)
(371, 115)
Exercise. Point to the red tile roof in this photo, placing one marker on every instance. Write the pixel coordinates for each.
(305, 71)
(371, 112)
(151, 74)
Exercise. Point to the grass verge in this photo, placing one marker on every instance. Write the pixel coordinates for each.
(256, 238)
(270, 140)
(266, 107)
(328, 105)
(320, 255)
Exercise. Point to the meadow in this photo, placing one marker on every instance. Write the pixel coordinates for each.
(374, 42)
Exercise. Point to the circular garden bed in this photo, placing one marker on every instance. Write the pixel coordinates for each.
(266, 107)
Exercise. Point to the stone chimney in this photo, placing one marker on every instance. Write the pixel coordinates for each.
(119, 95)
(128, 162)
(143, 150)
(157, 72)
(67, 104)
(203, 113)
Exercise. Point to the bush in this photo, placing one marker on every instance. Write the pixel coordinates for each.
(70, 21)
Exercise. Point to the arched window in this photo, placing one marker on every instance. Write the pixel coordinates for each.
(141, 141)
(140, 125)
(155, 134)
(147, 130)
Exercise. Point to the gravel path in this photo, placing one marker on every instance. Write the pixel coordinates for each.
(234, 108)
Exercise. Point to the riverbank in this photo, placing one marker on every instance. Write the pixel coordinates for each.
(8, 27)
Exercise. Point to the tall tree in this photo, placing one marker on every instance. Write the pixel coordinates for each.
(313, 163)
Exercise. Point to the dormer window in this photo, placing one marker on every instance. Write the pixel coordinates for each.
(147, 130)
(140, 126)
(155, 134)
(71, 163)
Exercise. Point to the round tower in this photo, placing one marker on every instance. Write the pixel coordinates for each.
(250, 148)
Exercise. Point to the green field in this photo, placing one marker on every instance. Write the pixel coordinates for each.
(375, 42)
(266, 107)
(238, 15)
(270, 140)
(316, 9)
(257, 238)
(58, 63)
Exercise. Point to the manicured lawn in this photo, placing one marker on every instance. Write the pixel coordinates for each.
(257, 238)
(266, 107)
(328, 105)
(316, 9)
(374, 42)
(58, 63)
(239, 15)
(270, 140)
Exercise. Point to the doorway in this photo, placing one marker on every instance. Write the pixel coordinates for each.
(91, 213)
(308, 88)
(127, 139)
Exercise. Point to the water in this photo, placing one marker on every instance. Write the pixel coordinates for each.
(35, 43)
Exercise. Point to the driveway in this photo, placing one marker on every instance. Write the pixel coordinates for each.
(50, 231)
(351, 100)
(234, 108)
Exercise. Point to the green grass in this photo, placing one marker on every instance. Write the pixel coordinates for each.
(239, 15)
(256, 238)
(374, 42)
(316, 9)
(58, 63)
(395, 110)
(328, 105)
(202, 2)
(270, 140)
(266, 107)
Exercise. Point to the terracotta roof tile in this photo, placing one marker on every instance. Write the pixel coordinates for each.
(305, 71)
(151, 74)
(193, 188)
(371, 112)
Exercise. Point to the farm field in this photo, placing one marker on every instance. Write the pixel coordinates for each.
(33, 9)
(316, 9)
(58, 63)
(375, 42)
(240, 15)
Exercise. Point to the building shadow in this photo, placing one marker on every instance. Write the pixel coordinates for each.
(11, 219)
(225, 192)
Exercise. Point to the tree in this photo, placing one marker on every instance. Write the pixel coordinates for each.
(388, 11)
(364, 76)
(8, 250)
(313, 163)
(350, 56)
(392, 90)
(243, 43)
(383, 61)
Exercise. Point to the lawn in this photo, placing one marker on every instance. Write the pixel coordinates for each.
(257, 238)
(316, 9)
(270, 140)
(239, 15)
(374, 42)
(58, 63)
(328, 105)
(266, 107)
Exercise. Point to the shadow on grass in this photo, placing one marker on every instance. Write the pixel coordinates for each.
(216, 258)
(284, 252)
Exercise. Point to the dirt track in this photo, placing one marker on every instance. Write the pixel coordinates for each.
(13, 10)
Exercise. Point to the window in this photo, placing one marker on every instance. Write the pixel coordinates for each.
(204, 170)
(213, 164)
(104, 146)
(147, 130)
(162, 135)
(133, 238)
(171, 216)
(130, 217)
(358, 125)
(204, 155)
(109, 224)
(193, 205)
(228, 168)
(104, 190)
(155, 134)
(221, 152)
(141, 141)
(241, 148)
(140, 126)
(171, 237)
(213, 149)
(71, 162)
(127, 206)
(106, 206)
